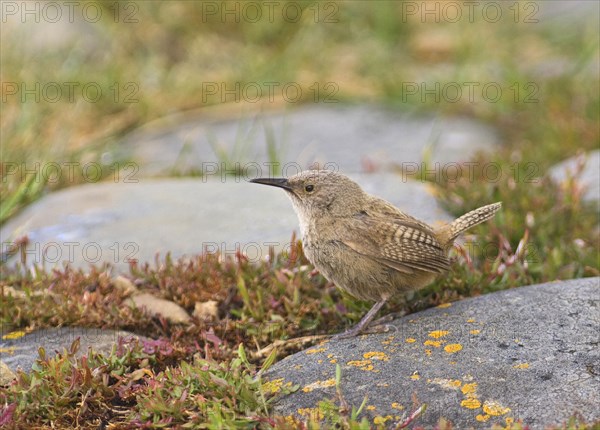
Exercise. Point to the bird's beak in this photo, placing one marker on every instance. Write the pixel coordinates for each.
(274, 182)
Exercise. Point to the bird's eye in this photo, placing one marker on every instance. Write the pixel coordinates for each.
(309, 188)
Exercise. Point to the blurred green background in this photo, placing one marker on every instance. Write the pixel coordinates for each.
(151, 59)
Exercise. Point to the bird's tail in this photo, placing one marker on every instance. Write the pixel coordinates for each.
(468, 220)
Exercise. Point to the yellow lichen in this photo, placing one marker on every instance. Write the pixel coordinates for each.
(521, 366)
(471, 320)
(371, 407)
(398, 406)
(435, 343)
(376, 355)
(380, 420)
(492, 407)
(319, 384)
(291, 420)
(444, 305)
(469, 389)
(361, 364)
(452, 348)
(428, 352)
(315, 350)
(10, 350)
(410, 340)
(475, 331)
(14, 335)
(274, 386)
(482, 418)
(333, 361)
(312, 413)
(471, 403)
(447, 383)
(415, 376)
(438, 333)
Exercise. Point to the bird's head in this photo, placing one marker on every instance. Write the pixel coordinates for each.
(318, 192)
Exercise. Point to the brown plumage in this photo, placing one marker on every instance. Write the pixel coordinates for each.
(364, 244)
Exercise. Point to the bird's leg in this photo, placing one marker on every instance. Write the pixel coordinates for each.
(363, 323)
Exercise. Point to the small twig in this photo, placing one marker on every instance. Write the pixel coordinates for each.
(295, 341)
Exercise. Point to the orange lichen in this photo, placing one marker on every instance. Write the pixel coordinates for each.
(438, 333)
(380, 420)
(482, 418)
(471, 403)
(475, 331)
(444, 305)
(469, 389)
(452, 348)
(315, 350)
(471, 320)
(275, 385)
(492, 407)
(319, 384)
(388, 340)
(447, 383)
(371, 408)
(376, 355)
(398, 406)
(361, 364)
(434, 343)
(410, 340)
(428, 352)
(312, 413)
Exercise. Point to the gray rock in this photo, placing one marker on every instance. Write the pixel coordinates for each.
(565, 12)
(108, 222)
(589, 176)
(6, 375)
(161, 307)
(54, 27)
(350, 138)
(529, 353)
(19, 350)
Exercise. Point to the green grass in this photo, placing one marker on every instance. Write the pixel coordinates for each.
(545, 231)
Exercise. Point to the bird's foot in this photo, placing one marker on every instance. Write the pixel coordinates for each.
(355, 331)
(388, 318)
(363, 323)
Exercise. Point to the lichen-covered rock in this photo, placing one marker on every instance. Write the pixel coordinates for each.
(529, 354)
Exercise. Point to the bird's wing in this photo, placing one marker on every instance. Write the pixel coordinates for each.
(401, 244)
